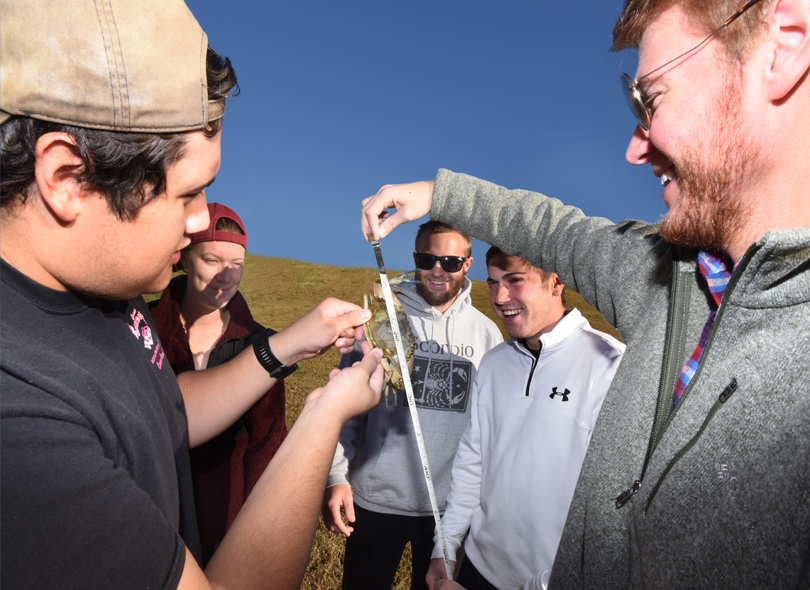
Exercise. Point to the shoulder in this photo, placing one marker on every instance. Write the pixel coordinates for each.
(242, 323)
(497, 355)
(602, 343)
(470, 313)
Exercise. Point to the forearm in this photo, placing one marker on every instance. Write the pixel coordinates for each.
(590, 254)
(269, 543)
(215, 398)
(464, 496)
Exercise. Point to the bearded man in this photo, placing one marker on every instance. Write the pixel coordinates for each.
(696, 475)
(377, 451)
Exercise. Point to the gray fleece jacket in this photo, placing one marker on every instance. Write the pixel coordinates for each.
(377, 451)
(720, 488)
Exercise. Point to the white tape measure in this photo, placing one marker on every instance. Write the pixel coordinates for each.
(406, 378)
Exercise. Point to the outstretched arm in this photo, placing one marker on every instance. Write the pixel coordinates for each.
(210, 413)
(269, 543)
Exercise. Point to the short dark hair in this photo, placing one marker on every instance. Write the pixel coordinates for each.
(440, 227)
(128, 168)
(495, 257)
(707, 14)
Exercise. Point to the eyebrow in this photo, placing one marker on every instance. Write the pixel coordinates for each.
(199, 188)
(506, 276)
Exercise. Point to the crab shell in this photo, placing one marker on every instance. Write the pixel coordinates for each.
(380, 335)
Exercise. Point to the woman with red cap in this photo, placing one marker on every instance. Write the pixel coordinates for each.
(203, 321)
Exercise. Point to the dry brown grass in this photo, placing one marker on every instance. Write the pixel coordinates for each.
(278, 292)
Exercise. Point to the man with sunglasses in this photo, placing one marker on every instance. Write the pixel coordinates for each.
(697, 473)
(377, 452)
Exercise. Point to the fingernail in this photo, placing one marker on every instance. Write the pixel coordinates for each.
(377, 352)
(382, 233)
(365, 314)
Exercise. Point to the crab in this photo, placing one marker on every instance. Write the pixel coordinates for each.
(380, 335)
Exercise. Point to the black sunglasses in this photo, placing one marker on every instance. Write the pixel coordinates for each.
(635, 94)
(428, 261)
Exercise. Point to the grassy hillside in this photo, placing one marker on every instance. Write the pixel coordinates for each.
(278, 292)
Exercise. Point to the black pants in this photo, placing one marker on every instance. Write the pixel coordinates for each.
(374, 549)
(471, 578)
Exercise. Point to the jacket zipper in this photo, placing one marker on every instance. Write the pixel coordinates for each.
(534, 364)
(662, 407)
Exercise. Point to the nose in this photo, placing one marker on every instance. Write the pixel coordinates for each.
(500, 295)
(437, 269)
(641, 149)
(197, 218)
(224, 275)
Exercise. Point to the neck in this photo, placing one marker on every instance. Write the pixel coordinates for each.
(776, 194)
(777, 206)
(555, 317)
(193, 314)
(445, 306)
(18, 249)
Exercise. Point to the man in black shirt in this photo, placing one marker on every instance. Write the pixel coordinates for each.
(110, 119)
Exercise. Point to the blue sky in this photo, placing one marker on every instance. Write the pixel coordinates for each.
(339, 98)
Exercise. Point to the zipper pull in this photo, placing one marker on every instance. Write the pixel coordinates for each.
(625, 496)
(731, 388)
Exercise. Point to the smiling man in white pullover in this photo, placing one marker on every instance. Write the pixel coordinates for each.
(535, 402)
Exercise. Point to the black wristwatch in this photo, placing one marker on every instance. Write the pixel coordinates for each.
(267, 359)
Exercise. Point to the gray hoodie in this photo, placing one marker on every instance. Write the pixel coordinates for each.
(377, 451)
(723, 499)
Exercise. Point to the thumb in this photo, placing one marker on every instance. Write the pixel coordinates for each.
(391, 222)
(348, 319)
(371, 364)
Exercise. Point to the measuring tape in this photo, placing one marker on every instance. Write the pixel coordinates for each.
(406, 378)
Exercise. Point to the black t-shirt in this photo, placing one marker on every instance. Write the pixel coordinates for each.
(95, 484)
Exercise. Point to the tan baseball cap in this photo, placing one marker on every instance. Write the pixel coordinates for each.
(120, 65)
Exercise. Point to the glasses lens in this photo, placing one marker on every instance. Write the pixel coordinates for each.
(428, 261)
(451, 263)
(424, 261)
(634, 100)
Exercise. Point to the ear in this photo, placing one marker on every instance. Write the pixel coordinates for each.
(58, 164)
(467, 264)
(556, 286)
(788, 46)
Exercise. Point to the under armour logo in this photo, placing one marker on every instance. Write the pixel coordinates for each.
(564, 394)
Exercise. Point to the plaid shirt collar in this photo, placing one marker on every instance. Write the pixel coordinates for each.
(715, 270)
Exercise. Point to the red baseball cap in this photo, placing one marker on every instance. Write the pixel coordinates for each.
(217, 211)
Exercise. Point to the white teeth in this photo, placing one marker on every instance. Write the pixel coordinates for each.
(667, 176)
(511, 312)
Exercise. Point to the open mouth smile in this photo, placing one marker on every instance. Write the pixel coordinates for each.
(667, 176)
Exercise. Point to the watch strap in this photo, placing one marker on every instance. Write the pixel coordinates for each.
(266, 358)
